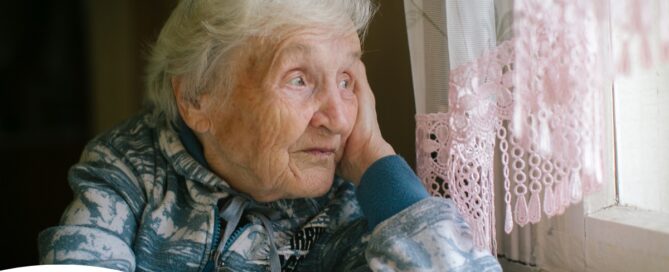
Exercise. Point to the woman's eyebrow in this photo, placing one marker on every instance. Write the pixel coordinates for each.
(356, 55)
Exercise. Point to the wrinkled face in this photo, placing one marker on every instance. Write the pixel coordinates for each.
(280, 132)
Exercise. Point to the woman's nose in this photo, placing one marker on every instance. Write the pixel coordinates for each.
(332, 110)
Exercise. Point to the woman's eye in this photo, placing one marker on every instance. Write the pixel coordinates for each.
(345, 84)
(298, 81)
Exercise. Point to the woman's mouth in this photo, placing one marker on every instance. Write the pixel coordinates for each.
(320, 152)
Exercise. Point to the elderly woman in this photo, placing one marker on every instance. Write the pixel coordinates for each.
(260, 150)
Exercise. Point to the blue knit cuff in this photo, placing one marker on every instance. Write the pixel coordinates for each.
(387, 187)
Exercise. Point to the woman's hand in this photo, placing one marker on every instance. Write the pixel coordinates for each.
(365, 145)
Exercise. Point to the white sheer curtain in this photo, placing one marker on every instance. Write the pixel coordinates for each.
(445, 34)
(458, 130)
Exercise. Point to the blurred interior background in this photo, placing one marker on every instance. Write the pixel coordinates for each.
(72, 69)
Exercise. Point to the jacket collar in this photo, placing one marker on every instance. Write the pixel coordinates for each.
(187, 159)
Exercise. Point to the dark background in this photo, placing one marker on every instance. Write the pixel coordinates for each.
(72, 69)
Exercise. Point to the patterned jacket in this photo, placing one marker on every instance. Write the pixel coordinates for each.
(143, 203)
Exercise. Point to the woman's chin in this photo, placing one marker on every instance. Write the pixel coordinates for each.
(313, 185)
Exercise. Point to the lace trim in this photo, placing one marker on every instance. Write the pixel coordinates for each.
(538, 96)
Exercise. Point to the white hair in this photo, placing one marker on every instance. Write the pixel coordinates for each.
(197, 41)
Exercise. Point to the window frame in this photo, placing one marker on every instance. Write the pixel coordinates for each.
(619, 237)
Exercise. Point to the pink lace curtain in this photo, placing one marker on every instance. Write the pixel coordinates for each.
(538, 99)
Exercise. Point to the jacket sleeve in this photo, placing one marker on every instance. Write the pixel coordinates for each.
(411, 231)
(98, 226)
(428, 236)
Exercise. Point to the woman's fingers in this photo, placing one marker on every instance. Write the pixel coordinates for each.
(365, 145)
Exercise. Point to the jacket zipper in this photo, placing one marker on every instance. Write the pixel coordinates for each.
(216, 240)
(217, 231)
(234, 236)
(209, 267)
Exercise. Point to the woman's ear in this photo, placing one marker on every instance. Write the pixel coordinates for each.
(192, 110)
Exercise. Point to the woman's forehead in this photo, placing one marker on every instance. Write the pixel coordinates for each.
(264, 56)
(307, 44)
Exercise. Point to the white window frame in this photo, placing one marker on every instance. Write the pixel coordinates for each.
(622, 238)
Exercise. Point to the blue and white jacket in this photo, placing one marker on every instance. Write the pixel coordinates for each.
(144, 202)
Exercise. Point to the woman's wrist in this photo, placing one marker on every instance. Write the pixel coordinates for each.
(387, 187)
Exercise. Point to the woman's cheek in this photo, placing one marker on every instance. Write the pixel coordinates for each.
(275, 127)
(280, 130)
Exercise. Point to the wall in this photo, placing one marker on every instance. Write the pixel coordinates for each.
(43, 118)
(120, 34)
(68, 70)
(386, 54)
